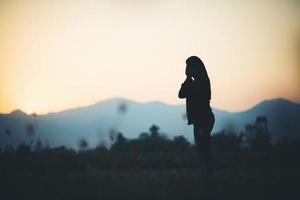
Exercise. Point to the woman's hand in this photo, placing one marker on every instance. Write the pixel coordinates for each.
(188, 79)
(185, 87)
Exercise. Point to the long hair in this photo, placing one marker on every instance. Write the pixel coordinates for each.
(199, 72)
(196, 65)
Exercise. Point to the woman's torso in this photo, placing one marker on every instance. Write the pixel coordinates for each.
(198, 105)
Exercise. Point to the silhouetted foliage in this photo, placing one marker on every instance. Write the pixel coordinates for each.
(113, 134)
(101, 149)
(257, 135)
(120, 143)
(224, 141)
(23, 149)
(38, 145)
(154, 131)
(181, 143)
(152, 162)
(143, 136)
(83, 144)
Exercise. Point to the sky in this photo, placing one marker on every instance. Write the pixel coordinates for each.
(61, 54)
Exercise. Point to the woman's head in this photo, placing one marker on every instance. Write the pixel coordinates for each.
(195, 68)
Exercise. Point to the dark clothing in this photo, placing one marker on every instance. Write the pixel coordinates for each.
(197, 94)
(199, 113)
(202, 138)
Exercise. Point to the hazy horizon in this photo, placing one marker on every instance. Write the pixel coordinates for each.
(143, 102)
(56, 55)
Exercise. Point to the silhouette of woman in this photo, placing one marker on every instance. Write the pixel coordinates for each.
(196, 90)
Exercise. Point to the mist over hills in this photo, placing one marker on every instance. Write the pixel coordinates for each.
(96, 122)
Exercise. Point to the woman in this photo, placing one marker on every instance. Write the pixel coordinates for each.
(196, 90)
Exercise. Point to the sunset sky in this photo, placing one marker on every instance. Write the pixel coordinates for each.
(60, 54)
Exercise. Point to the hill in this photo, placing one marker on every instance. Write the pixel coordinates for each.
(96, 122)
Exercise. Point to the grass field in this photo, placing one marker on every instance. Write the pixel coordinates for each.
(160, 170)
(151, 184)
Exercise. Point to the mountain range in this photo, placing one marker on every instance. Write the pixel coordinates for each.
(96, 123)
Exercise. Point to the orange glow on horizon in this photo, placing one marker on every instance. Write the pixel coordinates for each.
(56, 55)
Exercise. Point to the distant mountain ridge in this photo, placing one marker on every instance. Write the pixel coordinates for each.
(95, 122)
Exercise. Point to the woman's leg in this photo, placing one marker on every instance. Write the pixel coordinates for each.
(203, 140)
(203, 145)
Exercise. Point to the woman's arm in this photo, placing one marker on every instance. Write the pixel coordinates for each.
(195, 88)
(185, 89)
(182, 92)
